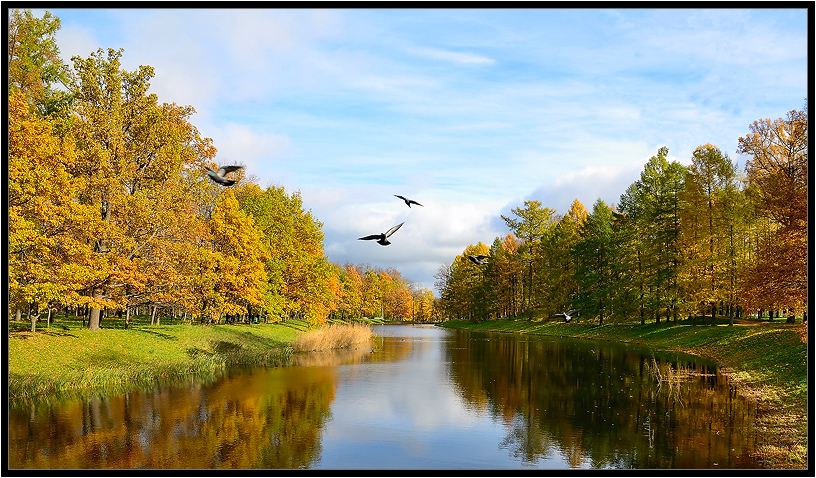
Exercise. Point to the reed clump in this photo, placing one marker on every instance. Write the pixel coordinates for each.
(335, 336)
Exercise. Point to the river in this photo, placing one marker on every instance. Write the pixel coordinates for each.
(420, 397)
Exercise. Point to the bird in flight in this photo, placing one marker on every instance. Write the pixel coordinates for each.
(218, 176)
(382, 238)
(408, 201)
(479, 260)
(567, 315)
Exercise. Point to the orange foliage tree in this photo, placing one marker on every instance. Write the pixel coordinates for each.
(777, 177)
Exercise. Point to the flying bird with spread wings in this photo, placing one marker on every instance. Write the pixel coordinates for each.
(219, 176)
(479, 260)
(408, 201)
(382, 238)
(567, 315)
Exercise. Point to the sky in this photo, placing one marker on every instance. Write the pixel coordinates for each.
(470, 112)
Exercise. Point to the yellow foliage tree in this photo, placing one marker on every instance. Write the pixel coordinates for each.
(49, 232)
(239, 257)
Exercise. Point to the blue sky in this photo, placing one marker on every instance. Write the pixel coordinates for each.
(468, 111)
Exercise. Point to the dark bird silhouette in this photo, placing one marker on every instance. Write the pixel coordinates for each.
(479, 260)
(218, 176)
(408, 201)
(382, 238)
(567, 315)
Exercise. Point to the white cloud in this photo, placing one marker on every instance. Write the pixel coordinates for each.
(260, 152)
(432, 234)
(588, 185)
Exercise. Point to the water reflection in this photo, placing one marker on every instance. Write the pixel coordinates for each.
(604, 405)
(417, 397)
(253, 419)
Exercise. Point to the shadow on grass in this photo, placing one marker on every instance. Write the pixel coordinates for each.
(243, 334)
(295, 324)
(159, 334)
(26, 334)
(226, 348)
(198, 352)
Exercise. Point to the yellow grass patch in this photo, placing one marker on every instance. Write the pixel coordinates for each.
(335, 336)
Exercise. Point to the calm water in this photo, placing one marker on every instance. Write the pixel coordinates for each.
(420, 397)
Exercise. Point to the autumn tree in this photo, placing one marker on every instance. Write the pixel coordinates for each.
(372, 303)
(559, 264)
(708, 230)
(49, 232)
(506, 270)
(352, 284)
(135, 156)
(298, 271)
(240, 258)
(423, 305)
(777, 174)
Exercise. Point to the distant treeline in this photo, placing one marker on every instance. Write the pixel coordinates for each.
(688, 241)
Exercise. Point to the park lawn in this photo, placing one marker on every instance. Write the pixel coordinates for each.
(767, 361)
(74, 359)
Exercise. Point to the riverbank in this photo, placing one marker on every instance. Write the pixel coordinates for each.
(74, 361)
(768, 362)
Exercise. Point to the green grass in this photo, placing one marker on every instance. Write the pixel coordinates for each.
(768, 362)
(66, 359)
(69, 358)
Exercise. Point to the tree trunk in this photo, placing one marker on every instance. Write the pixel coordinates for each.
(127, 317)
(18, 316)
(33, 318)
(713, 314)
(153, 315)
(95, 312)
(530, 290)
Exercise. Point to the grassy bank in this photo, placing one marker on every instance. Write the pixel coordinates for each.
(768, 361)
(71, 360)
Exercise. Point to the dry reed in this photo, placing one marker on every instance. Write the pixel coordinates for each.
(335, 336)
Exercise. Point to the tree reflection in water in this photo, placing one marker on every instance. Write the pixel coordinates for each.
(599, 405)
(239, 422)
